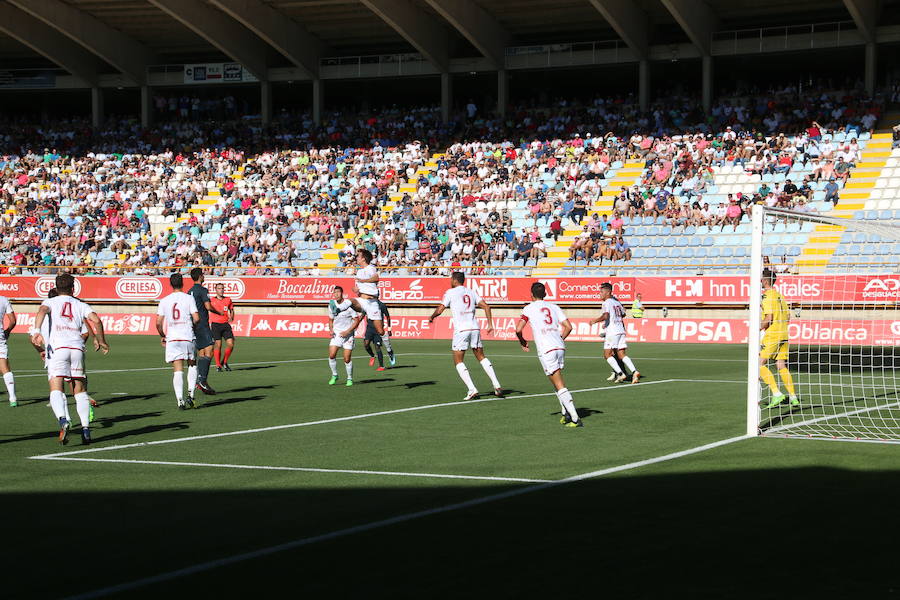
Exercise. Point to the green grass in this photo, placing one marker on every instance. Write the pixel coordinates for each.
(760, 517)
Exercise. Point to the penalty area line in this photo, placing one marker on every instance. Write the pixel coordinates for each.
(301, 469)
(395, 411)
(339, 533)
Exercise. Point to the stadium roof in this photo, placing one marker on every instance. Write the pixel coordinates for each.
(98, 37)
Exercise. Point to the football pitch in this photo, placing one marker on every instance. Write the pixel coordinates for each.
(395, 487)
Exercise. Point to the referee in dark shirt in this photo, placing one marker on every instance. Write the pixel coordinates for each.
(203, 339)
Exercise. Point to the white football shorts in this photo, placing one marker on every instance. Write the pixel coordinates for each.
(66, 362)
(370, 307)
(553, 361)
(614, 341)
(466, 339)
(180, 350)
(343, 342)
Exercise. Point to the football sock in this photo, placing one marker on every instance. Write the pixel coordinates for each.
(368, 348)
(348, 366)
(489, 369)
(332, 364)
(787, 380)
(464, 375)
(228, 352)
(629, 364)
(565, 398)
(615, 365)
(68, 416)
(178, 384)
(386, 342)
(620, 363)
(192, 380)
(83, 406)
(10, 382)
(380, 356)
(766, 375)
(203, 364)
(58, 403)
(217, 356)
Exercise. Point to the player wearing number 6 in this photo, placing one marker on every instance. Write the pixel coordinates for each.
(175, 319)
(550, 328)
(466, 332)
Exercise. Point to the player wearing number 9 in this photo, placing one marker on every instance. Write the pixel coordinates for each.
(550, 328)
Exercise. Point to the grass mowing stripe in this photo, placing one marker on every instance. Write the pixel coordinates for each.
(335, 420)
(222, 562)
(301, 469)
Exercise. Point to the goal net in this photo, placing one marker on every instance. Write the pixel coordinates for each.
(824, 334)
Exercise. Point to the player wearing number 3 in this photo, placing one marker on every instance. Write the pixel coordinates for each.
(550, 328)
(466, 332)
(175, 319)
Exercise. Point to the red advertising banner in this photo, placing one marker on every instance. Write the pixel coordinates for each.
(813, 289)
(719, 331)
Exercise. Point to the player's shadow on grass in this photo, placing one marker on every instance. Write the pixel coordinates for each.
(254, 368)
(107, 422)
(250, 388)
(149, 429)
(583, 413)
(412, 384)
(225, 401)
(367, 381)
(402, 367)
(129, 397)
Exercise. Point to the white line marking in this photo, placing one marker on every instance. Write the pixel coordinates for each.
(213, 564)
(301, 469)
(337, 420)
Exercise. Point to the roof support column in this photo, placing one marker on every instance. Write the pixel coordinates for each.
(96, 106)
(318, 100)
(446, 96)
(146, 106)
(265, 102)
(502, 92)
(871, 67)
(707, 82)
(644, 84)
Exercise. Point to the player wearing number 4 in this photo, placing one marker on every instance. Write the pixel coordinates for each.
(343, 320)
(466, 332)
(775, 318)
(550, 328)
(175, 320)
(614, 346)
(65, 351)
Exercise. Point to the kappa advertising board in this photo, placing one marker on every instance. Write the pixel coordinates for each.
(719, 331)
(807, 289)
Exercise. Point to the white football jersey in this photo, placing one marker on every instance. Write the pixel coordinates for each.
(67, 318)
(546, 320)
(343, 314)
(177, 308)
(367, 272)
(616, 315)
(462, 302)
(5, 309)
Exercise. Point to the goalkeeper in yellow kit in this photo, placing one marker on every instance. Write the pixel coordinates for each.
(775, 318)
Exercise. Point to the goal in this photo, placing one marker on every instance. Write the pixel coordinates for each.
(842, 291)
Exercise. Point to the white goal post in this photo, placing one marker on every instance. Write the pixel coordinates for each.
(835, 376)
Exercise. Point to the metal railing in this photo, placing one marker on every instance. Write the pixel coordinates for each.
(570, 53)
(375, 65)
(786, 37)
